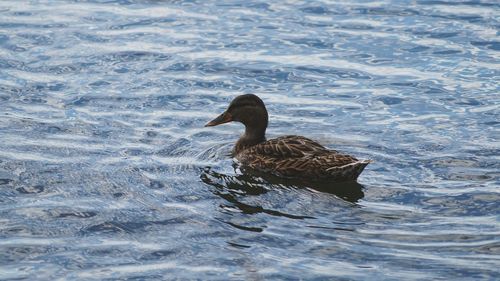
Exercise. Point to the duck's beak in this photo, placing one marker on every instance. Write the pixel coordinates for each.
(221, 119)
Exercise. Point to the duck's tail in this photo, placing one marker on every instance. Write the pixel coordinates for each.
(349, 171)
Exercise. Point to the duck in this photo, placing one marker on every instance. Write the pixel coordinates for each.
(289, 156)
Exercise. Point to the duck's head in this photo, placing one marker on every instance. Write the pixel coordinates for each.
(248, 109)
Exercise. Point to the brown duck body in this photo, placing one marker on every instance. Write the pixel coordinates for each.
(300, 157)
(287, 156)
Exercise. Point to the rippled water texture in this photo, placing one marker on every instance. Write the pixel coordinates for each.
(106, 170)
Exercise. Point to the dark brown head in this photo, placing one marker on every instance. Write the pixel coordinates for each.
(247, 109)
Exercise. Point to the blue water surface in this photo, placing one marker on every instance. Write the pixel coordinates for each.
(107, 173)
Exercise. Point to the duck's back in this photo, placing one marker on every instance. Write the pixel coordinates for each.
(300, 157)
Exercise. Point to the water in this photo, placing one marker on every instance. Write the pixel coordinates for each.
(106, 170)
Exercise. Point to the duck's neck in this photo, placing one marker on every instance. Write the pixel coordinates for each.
(253, 135)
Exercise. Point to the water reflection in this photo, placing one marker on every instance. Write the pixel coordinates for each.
(254, 183)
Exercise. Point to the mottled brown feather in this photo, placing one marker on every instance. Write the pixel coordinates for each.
(296, 156)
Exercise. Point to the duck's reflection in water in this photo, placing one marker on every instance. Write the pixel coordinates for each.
(230, 187)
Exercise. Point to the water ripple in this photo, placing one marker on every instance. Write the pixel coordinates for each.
(106, 170)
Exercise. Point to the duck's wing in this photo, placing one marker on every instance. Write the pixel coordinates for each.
(287, 147)
(296, 156)
(333, 166)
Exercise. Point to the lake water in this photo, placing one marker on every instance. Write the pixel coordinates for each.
(107, 173)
